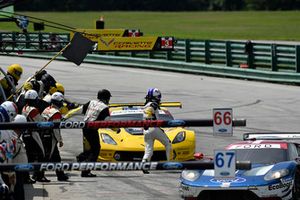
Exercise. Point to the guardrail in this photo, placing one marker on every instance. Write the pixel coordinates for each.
(16, 42)
(259, 61)
(268, 57)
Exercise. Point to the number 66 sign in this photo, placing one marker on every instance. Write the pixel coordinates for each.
(222, 121)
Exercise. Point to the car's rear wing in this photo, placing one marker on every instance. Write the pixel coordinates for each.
(272, 136)
(162, 104)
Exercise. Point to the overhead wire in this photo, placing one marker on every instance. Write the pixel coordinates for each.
(59, 26)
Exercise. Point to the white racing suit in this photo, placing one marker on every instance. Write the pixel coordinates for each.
(52, 138)
(154, 133)
(95, 110)
(33, 139)
(52, 113)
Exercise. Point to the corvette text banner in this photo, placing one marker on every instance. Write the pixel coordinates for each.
(95, 34)
(126, 43)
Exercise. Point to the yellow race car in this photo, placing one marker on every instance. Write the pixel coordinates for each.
(127, 144)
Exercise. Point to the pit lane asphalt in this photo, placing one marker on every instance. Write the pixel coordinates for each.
(266, 106)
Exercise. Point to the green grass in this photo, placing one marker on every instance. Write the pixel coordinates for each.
(254, 25)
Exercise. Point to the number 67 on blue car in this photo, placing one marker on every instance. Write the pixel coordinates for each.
(274, 174)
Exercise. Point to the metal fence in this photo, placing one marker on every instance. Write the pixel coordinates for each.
(260, 56)
(269, 57)
(30, 42)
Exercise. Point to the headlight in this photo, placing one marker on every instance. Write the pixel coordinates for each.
(190, 175)
(272, 175)
(179, 137)
(258, 171)
(107, 139)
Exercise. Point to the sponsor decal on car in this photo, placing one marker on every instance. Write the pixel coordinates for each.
(227, 180)
(186, 188)
(280, 185)
(255, 146)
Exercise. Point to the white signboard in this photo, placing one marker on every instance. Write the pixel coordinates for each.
(222, 121)
(224, 163)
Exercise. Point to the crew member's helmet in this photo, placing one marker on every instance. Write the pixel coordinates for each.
(104, 95)
(27, 86)
(57, 99)
(60, 88)
(48, 82)
(31, 98)
(31, 95)
(15, 70)
(153, 94)
(8, 111)
(20, 118)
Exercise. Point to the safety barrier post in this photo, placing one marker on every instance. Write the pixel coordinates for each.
(297, 58)
(150, 54)
(273, 58)
(40, 40)
(187, 51)
(228, 53)
(168, 55)
(68, 37)
(132, 54)
(207, 54)
(27, 39)
(13, 37)
(249, 50)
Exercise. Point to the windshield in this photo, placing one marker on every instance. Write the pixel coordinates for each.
(262, 156)
(137, 116)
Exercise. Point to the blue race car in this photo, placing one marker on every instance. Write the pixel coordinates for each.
(274, 174)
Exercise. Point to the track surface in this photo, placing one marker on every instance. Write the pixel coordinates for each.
(266, 106)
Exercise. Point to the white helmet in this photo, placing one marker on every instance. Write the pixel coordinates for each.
(20, 118)
(153, 94)
(57, 99)
(11, 109)
(57, 96)
(31, 94)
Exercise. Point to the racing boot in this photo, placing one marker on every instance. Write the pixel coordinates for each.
(43, 179)
(40, 177)
(145, 171)
(27, 179)
(87, 173)
(61, 176)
